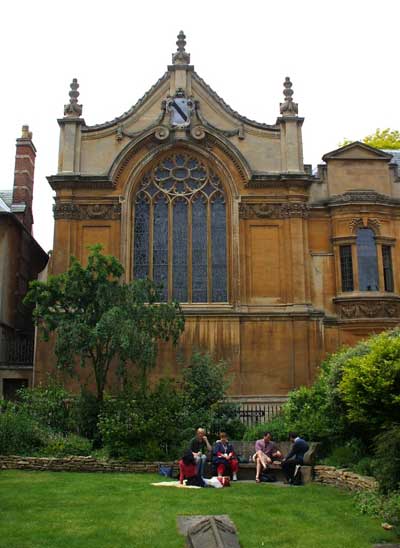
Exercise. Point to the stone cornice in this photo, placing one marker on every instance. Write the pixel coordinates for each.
(266, 180)
(356, 197)
(77, 180)
(273, 211)
(73, 211)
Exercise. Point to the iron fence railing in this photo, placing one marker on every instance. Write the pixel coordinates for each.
(251, 413)
(16, 349)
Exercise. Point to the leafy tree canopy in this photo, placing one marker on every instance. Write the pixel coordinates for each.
(100, 319)
(382, 138)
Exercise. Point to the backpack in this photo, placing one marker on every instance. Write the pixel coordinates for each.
(268, 477)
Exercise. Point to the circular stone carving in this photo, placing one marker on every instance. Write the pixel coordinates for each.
(198, 132)
(161, 133)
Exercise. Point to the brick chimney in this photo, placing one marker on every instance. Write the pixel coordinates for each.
(23, 178)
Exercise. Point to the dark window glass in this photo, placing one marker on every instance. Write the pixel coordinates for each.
(367, 261)
(218, 247)
(160, 246)
(199, 251)
(180, 251)
(387, 267)
(141, 247)
(346, 267)
(187, 205)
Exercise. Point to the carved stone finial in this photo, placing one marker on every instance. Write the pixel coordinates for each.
(26, 134)
(288, 108)
(181, 57)
(73, 109)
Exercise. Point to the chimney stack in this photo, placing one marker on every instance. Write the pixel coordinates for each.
(23, 178)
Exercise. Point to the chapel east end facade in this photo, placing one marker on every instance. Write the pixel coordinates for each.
(274, 266)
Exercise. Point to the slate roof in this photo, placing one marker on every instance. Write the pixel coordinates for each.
(395, 154)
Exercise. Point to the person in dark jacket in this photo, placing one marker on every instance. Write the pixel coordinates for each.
(291, 464)
(224, 458)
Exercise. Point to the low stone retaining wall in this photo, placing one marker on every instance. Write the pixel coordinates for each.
(322, 474)
(344, 478)
(77, 464)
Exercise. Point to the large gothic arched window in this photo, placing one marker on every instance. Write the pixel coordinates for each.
(180, 230)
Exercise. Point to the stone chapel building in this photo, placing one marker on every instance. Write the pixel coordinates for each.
(274, 266)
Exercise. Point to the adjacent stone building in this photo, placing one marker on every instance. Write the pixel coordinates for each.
(274, 266)
(21, 260)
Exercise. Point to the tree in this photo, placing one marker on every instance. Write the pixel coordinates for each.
(101, 320)
(382, 138)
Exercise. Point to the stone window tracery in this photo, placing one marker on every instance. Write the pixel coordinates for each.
(180, 230)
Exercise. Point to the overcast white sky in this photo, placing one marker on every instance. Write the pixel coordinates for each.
(342, 57)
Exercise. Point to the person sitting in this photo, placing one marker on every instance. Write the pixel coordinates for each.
(224, 458)
(199, 447)
(266, 452)
(188, 470)
(291, 464)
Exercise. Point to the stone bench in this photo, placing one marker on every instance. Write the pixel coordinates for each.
(247, 470)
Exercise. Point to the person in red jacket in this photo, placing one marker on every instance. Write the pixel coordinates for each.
(188, 470)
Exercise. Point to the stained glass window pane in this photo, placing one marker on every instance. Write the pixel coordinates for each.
(141, 239)
(218, 250)
(160, 245)
(367, 262)
(199, 251)
(346, 267)
(387, 267)
(180, 250)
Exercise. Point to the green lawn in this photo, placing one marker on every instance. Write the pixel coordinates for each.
(72, 510)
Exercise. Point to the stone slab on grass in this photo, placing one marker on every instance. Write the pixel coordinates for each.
(186, 522)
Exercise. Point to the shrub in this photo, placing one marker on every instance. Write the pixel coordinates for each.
(49, 405)
(61, 446)
(148, 425)
(225, 417)
(277, 427)
(370, 384)
(20, 434)
(85, 415)
(346, 456)
(387, 453)
(387, 508)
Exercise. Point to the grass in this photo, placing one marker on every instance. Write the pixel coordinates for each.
(79, 510)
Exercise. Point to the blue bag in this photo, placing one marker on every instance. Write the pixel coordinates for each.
(165, 471)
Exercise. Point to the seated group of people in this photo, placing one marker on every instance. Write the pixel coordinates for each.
(193, 462)
(225, 462)
(267, 452)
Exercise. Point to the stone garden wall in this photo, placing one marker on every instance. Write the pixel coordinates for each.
(344, 478)
(76, 464)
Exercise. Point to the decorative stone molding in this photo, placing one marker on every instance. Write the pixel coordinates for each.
(80, 212)
(239, 131)
(368, 308)
(359, 196)
(73, 110)
(359, 222)
(330, 475)
(273, 211)
(288, 107)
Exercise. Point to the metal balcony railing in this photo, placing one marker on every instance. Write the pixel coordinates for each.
(16, 349)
